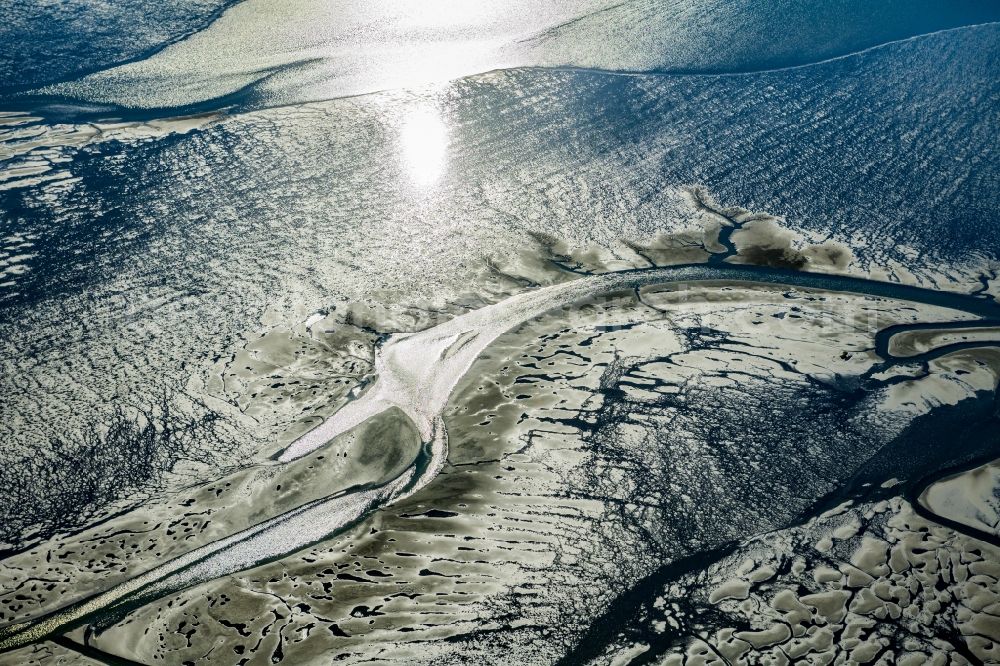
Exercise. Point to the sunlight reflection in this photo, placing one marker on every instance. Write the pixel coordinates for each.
(423, 142)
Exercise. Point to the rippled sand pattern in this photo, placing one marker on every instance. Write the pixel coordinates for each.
(578, 460)
(598, 332)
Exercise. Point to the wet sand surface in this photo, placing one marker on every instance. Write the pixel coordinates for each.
(578, 460)
(534, 336)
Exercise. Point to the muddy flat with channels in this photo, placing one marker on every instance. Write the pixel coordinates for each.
(514, 334)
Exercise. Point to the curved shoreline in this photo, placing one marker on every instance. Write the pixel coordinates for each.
(417, 373)
(916, 489)
(22, 90)
(67, 108)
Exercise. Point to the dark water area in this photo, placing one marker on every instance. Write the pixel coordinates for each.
(47, 42)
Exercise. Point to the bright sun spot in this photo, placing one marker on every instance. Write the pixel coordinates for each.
(423, 142)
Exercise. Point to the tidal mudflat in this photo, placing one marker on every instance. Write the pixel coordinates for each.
(500, 335)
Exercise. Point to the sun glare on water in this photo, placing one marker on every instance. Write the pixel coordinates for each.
(423, 144)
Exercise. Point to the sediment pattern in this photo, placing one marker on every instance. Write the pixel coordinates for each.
(578, 464)
(341, 410)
